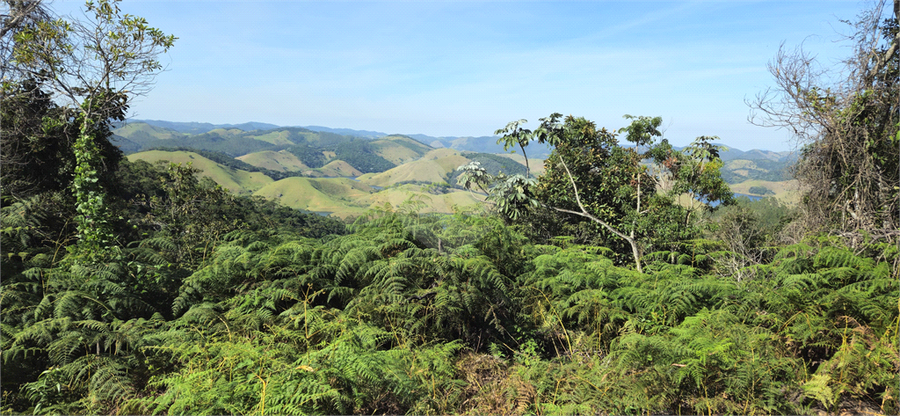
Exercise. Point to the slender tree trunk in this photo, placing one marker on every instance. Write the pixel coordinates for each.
(635, 250)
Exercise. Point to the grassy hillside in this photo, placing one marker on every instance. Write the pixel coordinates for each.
(339, 168)
(276, 137)
(281, 161)
(434, 167)
(142, 133)
(336, 195)
(740, 170)
(785, 191)
(415, 197)
(237, 181)
(399, 149)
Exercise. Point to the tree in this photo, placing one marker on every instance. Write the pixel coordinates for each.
(847, 123)
(589, 175)
(91, 68)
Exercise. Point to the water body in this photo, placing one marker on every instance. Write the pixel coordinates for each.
(752, 198)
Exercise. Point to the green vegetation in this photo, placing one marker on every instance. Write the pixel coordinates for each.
(234, 180)
(739, 170)
(132, 287)
(760, 190)
(361, 155)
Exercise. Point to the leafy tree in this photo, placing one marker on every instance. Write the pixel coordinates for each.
(93, 66)
(589, 175)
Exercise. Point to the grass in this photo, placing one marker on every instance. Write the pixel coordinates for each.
(227, 133)
(433, 167)
(339, 168)
(336, 195)
(399, 149)
(275, 137)
(785, 191)
(443, 203)
(131, 130)
(278, 161)
(237, 181)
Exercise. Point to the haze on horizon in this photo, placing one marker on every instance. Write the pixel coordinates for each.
(448, 68)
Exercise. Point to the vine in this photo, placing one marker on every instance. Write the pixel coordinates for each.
(92, 217)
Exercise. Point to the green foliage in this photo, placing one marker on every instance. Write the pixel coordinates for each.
(758, 169)
(361, 155)
(760, 190)
(310, 156)
(203, 302)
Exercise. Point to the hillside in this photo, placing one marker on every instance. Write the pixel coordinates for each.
(739, 170)
(399, 149)
(235, 180)
(784, 191)
(382, 160)
(340, 168)
(278, 161)
(327, 195)
(433, 167)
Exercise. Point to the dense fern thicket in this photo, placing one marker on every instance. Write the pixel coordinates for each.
(131, 288)
(210, 303)
(204, 302)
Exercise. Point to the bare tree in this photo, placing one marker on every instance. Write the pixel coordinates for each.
(846, 120)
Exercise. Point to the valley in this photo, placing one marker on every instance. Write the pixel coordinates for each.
(346, 175)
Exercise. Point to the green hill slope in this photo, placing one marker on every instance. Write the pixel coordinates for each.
(141, 133)
(422, 201)
(339, 168)
(399, 149)
(434, 167)
(235, 180)
(336, 195)
(281, 161)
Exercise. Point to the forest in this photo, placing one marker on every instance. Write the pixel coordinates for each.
(625, 278)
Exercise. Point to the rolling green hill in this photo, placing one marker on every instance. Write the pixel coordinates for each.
(340, 196)
(740, 170)
(142, 133)
(235, 180)
(338, 168)
(422, 201)
(282, 161)
(399, 149)
(434, 167)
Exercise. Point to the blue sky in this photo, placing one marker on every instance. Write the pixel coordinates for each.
(466, 68)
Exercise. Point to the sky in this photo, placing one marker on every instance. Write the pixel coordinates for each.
(466, 68)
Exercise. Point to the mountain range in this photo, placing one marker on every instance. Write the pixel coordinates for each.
(347, 172)
(483, 144)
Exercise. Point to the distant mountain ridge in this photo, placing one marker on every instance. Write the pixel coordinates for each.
(481, 144)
